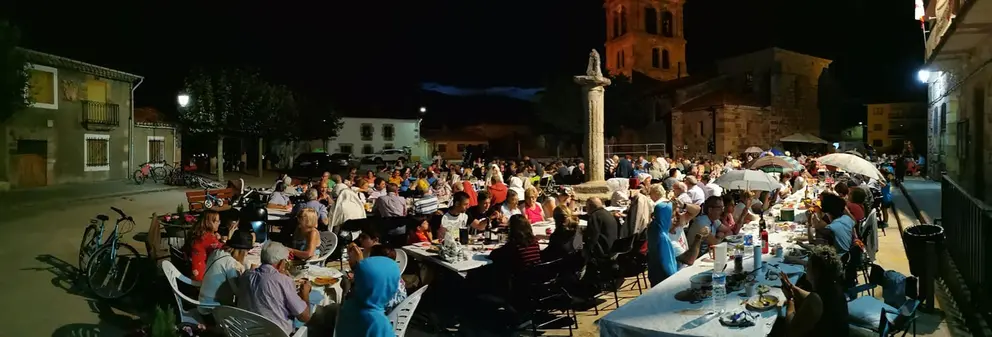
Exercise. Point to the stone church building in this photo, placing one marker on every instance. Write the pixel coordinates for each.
(754, 99)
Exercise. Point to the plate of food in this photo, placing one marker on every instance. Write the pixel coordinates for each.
(739, 238)
(762, 302)
(324, 281)
(423, 245)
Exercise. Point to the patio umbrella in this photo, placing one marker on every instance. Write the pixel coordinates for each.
(795, 163)
(855, 152)
(853, 164)
(803, 138)
(754, 149)
(775, 151)
(749, 180)
(770, 162)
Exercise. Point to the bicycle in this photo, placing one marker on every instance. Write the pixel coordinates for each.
(147, 170)
(107, 273)
(211, 200)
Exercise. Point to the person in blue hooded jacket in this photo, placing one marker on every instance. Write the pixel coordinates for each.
(661, 256)
(364, 313)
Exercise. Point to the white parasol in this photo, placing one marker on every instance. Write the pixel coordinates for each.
(754, 149)
(749, 180)
(853, 164)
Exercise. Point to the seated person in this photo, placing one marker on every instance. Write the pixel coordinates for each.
(313, 201)
(483, 214)
(566, 239)
(380, 250)
(271, 293)
(366, 241)
(834, 219)
(220, 279)
(364, 311)
(306, 239)
(278, 199)
(820, 310)
(423, 231)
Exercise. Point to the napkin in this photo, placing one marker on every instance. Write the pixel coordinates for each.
(720, 257)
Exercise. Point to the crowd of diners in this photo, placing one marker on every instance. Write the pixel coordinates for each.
(674, 212)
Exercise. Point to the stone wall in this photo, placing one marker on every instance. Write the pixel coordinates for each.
(737, 128)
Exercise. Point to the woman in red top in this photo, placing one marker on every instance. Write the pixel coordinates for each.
(205, 241)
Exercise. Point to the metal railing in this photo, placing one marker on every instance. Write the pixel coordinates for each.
(653, 149)
(964, 218)
(100, 113)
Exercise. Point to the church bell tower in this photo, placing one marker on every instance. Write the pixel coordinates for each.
(645, 36)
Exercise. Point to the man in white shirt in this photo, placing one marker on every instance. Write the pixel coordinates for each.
(455, 219)
(679, 189)
(695, 191)
(710, 188)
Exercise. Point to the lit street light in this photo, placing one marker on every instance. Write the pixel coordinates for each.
(859, 123)
(923, 75)
(423, 109)
(183, 100)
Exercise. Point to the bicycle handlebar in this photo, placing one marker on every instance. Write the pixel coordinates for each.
(119, 211)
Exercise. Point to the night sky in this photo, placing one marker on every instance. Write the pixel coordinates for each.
(376, 50)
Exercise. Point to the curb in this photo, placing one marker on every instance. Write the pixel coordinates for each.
(912, 204)
(90, 197)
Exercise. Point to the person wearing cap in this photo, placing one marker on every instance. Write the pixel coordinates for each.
(270, 292)
(224, 266)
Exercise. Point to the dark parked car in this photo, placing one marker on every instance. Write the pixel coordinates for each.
(316, 163)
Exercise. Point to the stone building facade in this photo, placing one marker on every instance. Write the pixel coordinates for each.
(959, 122)
(762, 97)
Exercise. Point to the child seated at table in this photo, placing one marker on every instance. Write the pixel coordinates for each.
(365, 241)
(422, 233)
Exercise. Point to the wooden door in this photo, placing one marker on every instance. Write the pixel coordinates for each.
(31, 163)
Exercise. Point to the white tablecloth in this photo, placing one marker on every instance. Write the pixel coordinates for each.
(658, 313)
(474, 260)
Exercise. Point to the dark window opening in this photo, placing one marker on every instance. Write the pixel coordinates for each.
(667, 24)
(651, 20)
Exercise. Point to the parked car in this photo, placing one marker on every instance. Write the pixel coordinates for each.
(390, 155)
(316, 163)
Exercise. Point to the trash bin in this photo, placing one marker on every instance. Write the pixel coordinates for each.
(916, 239)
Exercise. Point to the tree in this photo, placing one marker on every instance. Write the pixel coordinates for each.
(620, 110)
(14, 74)
(317, 120)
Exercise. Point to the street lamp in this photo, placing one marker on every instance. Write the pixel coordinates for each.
(183, 100)
(924, 75)
(860, 123)
(423, 109)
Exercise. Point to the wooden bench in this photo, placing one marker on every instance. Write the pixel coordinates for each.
(196, 198)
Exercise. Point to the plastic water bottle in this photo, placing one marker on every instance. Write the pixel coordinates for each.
(719, 292)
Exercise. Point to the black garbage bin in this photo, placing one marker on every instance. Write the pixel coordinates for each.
(916, 239)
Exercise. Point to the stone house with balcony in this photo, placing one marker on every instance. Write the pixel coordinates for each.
(79, 128)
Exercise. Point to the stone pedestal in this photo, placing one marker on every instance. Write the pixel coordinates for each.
(592, 94)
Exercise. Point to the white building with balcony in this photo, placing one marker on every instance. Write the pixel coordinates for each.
(364, 136)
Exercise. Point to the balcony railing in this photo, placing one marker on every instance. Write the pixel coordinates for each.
(966, 239)
(100, 114)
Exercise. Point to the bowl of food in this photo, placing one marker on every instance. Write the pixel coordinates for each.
(324, 281)
(762, 302)
(702, 282)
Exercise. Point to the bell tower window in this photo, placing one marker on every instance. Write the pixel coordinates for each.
(667, 24)
(651, 20)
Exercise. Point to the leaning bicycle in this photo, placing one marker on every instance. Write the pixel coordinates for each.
(157, 171)
(111, 267)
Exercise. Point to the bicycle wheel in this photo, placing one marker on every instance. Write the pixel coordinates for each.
(138, 177)
(114, 270)
(88, 246)
(158, 174)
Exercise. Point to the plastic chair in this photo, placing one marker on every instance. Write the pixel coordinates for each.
(400, 315)
(242, 323)
(402, 259)
(328, 243)
(191, 316)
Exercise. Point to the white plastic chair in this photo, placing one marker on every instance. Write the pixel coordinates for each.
(242, 323)
(400, 315)
(401, 259)
(328, 243)
(172, 274)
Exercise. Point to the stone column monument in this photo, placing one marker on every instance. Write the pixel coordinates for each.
(593, 87)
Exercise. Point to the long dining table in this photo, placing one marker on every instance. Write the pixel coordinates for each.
(658, 312)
